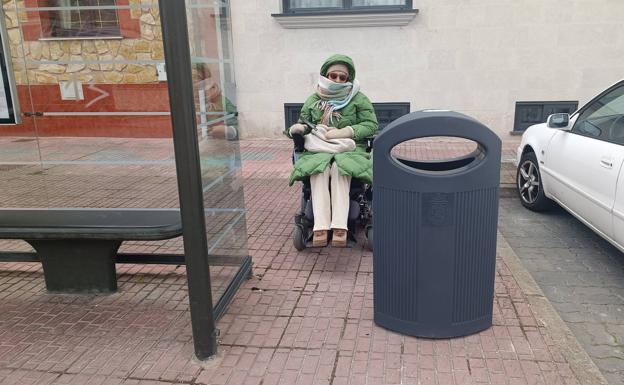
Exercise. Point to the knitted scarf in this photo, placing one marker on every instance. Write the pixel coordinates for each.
(334, 96)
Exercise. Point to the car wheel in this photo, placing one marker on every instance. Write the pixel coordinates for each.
(529, 183)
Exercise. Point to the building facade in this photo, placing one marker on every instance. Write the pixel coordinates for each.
(479, 57)
(508, 63)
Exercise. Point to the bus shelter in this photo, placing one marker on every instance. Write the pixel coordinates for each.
(121, 106)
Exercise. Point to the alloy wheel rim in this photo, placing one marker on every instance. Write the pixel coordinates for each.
(528, 182)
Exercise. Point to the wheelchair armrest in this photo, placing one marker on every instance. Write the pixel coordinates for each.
(369, 143)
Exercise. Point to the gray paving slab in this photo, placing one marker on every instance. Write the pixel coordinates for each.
(581, 274)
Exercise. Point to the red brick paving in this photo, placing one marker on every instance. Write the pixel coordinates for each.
(304, 318)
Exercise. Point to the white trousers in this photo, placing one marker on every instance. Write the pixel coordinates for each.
(330, 212)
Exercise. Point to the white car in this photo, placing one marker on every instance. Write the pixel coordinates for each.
(576, 161)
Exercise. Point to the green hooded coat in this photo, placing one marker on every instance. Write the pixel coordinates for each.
(359, 114)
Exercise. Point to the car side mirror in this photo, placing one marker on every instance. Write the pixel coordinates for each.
(558, 120)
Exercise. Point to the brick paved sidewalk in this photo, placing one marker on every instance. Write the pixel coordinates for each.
(304, 318)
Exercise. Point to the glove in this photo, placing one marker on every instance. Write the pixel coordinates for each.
(340, 133)
(297, 128)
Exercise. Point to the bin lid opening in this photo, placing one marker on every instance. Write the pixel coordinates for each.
(438, 154)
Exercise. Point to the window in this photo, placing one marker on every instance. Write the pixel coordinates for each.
(530, 113)
(297, 6)
(604, 117)
(345, 13)
(92, 21)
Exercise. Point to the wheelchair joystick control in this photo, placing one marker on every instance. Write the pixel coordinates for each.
(299, 142)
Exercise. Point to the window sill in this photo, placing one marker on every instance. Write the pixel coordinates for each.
(81, 38)
(341, 19)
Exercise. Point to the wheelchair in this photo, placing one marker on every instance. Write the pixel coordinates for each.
(360, 207)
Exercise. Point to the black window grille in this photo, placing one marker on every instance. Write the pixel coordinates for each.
(530, 113)
(386, 112)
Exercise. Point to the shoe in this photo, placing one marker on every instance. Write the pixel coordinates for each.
(320, 238)
(339, 238)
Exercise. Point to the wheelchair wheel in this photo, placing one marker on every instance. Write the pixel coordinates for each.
(369, 239)
(298, 239)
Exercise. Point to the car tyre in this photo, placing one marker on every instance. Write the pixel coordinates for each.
(529, 184)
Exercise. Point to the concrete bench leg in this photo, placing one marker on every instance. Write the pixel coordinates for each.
(78, 266)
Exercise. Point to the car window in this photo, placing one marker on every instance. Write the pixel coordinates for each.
(617, 130)
(603, 118)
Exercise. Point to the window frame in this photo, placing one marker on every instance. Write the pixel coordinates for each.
(64, 33)
(604, 136)
(347, 7)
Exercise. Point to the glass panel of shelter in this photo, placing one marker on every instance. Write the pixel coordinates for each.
(218, 134)
(95, 129)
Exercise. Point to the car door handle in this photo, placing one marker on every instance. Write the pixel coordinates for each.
(606, 163)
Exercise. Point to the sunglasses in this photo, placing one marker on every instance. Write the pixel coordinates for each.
(336, 76)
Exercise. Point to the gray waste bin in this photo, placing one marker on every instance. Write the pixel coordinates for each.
(435, 229)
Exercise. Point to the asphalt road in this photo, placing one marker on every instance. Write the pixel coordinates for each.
(580, 273)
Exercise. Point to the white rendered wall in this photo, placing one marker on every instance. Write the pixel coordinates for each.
(474, 56)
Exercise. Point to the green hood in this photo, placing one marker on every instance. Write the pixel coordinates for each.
(334, 59)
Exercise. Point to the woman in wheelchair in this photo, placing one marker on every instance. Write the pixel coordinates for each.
(336, 121)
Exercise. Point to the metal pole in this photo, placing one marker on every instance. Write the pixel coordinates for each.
(178, 63)
(202, 113)
(217, 12)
